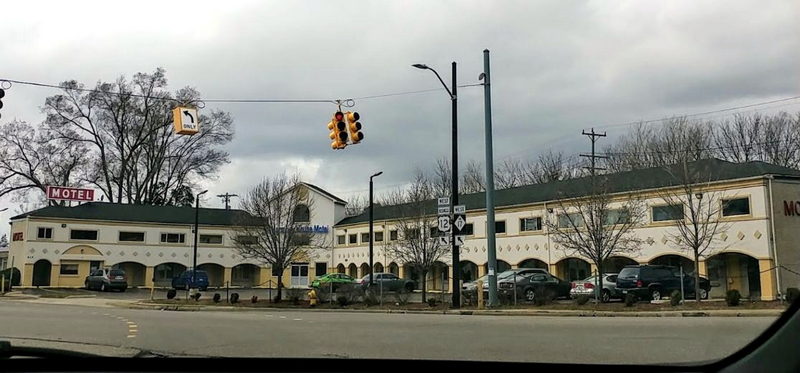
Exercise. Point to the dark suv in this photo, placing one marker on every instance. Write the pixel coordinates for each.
(658, 281)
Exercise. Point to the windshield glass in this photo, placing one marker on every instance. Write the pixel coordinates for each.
(285, 150)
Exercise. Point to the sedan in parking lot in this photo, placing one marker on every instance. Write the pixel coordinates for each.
(589, 285)
(332, 279)
(387, 282)
(529, 286)
(107, 279)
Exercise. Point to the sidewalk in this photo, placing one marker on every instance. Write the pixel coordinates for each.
(502, 312)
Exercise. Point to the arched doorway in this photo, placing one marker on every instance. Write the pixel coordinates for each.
(216, 274)
(378, 267)
(245, 275)
(165, 272)
(728, 271)
(469, 271)
(363, 270)
(394, 268)
(438, 277)
(134, 271)
(352, 270)
(532, 263)
(41, 272)
(675, 261)
(573, 269)
(340, 268)
(411, 273)
(615, 264)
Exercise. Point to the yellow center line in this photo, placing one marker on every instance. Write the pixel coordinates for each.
(131, 323)
(131, 336)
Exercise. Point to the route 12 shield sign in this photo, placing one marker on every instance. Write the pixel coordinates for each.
(185, 120)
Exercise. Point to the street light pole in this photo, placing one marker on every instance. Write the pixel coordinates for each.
(490, 235)
(371, 239)
(456, 302)
(196, 234)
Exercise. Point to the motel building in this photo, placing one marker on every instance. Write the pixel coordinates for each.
(757, 253)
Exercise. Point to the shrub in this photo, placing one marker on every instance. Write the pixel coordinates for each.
(323, 294)
(732, 297)
(402, 297)
(254, 299)
(432, 301)
(675, 298)
(370, 299)
(582, 299)
(342, 301)
(630, 300)
(217, 297)
(350, 292)
(235, 298)
(171, 293)
(792, 294)
(196, 296)
(542, 296)
(276, 299)
(8, 273)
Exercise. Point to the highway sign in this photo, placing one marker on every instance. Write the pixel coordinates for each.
(444, 224)
(444, 240)
(444, 201)
(444, 210)
(460, 240)
(460, 222)
(185, 120)
(460, 209)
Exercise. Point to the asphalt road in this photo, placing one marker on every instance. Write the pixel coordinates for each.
(117, 331)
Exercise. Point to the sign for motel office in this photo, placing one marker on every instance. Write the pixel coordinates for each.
(69, 194)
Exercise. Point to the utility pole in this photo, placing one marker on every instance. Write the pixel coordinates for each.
(593, 168)
(227, 198)
(454, 201)
(490, 236)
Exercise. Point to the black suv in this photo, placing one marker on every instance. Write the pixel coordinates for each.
(658, 281)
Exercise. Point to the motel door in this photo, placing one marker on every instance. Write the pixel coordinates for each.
(299, 275)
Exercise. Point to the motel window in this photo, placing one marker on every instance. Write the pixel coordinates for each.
(69, 269)
(80, 234)
(247, 240)
(667, 212)
(570, 220)
(393, 235)
(45, 233)
(738, 206)
(365, 237)
(131, 236)
(173, 238)
(353, 239)
(378, 236)
(530, 224)
(500, 227)
(321, 269)
(469, 229)
(613, 217)
(341, 239)
(215, 239)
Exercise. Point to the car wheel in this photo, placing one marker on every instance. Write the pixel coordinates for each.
(605, 296)
(122, 290)
(655, 294)
(530, 295)
(103, 286)
(703, 294)
(86, 285)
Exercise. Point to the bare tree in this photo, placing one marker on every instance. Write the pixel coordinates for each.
(441, 180)
(677, 139)
(274, 230)
(416, 221)
(509, 174)
(127, 128)
(737, 140)
(551, 166)
(473, 179)
(768, 138)
(595, 226)
(32, 159)
(356, 205)
(698, 212)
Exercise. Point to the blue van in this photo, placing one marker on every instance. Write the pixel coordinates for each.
(184, 281)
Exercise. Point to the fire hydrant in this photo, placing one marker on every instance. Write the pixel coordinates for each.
(312, 298)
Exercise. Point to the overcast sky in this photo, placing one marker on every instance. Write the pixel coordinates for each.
(557, 67)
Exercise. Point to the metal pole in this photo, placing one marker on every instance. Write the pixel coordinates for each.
(456, 261)
(228, 292)
(683, 296)
(515, 288)
(490, 236)
(370, 231)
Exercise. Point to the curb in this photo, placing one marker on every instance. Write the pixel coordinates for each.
(713, 313)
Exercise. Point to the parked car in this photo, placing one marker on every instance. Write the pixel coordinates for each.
(106, 279)
(184, 281)
(530, 285)
(658, 281)
(470, 287)
(389, 281)
(337, 279)
(589, 285)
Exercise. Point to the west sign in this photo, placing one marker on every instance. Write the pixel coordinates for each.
(70, 194)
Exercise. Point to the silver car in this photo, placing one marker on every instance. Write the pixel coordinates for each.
(587, 287)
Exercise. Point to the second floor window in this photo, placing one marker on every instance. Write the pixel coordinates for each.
(469, 229)
(365, 237)
(353, 239)
(530, 224)
(341, 239)
(131, 236)
(667, 212)
(570, 220)
(247, 240)
(614, 217)
(738, 206)
(44, 233)
(499, 227)
(80, 234)
(378, 236)
(210, 238)
(173, 238)
(393, 235)
(301, 214)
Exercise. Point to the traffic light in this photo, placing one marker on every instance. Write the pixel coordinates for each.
(2, 94)
(338, 131)
(354, 126)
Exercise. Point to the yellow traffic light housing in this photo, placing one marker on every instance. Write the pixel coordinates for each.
(354, 126)
(338, 131)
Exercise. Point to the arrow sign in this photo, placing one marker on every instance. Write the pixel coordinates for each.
(188, 114)
(444, 240)
(460, 240)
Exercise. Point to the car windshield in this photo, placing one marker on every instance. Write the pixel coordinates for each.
(285, 150)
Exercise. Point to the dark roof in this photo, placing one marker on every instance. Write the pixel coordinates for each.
(138, 213)
(326, 193)
(647, 178)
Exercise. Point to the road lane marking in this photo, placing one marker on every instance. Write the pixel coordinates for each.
(283, 317)
(131, 323)
(297, 319)
(132, 336)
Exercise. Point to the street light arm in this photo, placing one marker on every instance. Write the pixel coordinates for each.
(452, 97)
